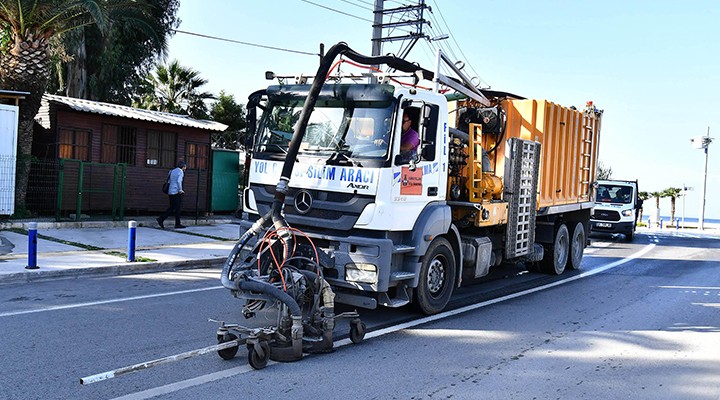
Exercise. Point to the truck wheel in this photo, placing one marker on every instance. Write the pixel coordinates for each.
(629, 235)
(577, 246)
(437, 277)
(556, 256)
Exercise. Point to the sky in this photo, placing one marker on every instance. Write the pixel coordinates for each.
(652, 66)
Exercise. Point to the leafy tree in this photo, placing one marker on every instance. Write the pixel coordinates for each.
(232, 114)
(175, 89)
(672, 193)
(27, 30)
(110, 67)
(603, 173)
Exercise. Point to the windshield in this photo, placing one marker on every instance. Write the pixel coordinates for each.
(341, 126)
(614, 194)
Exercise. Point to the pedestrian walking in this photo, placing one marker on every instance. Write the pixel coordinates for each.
(175, 195)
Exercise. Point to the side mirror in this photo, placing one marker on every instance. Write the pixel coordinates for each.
(399, 160)
(428, 151)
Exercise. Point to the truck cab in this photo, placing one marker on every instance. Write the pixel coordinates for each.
(616, 208)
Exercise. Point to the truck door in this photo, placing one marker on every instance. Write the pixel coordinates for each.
(418, 180)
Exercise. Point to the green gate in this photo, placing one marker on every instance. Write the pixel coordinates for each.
(104, 184)
(225, 180)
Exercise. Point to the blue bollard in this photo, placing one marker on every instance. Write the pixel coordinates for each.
(660, 223)
(32, 246)
(132, 227)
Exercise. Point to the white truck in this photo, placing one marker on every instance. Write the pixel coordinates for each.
(617, 204)
(495, 178)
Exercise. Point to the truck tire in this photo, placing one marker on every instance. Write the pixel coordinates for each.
(556, 256)
(577, 246)
(629, 236)
(437, 277)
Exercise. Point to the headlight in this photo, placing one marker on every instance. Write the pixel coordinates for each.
(627, 213)
(362, 273)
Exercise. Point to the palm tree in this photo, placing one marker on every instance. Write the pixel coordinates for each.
(643, 196)
(657, 196)
(26, 30)
(28, 33)
(672, 193)
(175, 89)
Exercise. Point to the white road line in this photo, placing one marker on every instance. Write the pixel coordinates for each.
(200, 380)
(101, 302)
(471, 307)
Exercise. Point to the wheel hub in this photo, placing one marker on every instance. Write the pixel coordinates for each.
(436, 276)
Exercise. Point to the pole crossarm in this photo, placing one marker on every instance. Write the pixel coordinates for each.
(402, 23)
(401, 9)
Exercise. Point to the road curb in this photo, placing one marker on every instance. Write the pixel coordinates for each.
(110, 270)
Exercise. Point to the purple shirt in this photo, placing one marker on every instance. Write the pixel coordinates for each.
(410, 137)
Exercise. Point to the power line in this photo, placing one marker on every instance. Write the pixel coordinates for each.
(245, 43)
(337, 11)
(357, 5)
(441, 44)
(455, 41)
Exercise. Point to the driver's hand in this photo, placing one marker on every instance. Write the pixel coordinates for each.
(379, 142)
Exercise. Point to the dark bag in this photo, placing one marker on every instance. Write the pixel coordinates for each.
(166, 185)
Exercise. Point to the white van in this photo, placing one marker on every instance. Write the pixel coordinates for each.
(616, 208)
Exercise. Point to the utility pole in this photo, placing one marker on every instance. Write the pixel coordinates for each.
(409, 16)
(377, 28)
(703, 142)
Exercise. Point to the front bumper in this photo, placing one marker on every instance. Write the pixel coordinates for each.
(343, 250)
(611, 226)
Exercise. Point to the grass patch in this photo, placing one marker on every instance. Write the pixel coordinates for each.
(124, 255)
(203, 235)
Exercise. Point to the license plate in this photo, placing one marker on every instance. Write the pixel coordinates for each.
(603, 225)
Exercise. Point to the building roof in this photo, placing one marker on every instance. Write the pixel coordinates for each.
(13, 93)
(117, 110)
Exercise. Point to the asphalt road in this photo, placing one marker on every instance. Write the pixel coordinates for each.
(640, 320)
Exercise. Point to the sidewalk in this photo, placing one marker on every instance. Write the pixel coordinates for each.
(73, 249)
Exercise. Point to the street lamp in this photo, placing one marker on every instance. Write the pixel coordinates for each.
(703, 142)
(683, 193)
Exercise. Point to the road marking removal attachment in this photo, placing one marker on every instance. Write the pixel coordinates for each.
(137, 367)
(177, 386)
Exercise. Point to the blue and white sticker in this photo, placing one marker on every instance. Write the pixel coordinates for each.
(313, 176)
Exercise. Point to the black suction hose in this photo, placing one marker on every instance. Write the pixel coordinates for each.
(255, 229)
(254, 286)
(272, 291)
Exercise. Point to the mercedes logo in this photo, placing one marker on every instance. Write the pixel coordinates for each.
(303, 202)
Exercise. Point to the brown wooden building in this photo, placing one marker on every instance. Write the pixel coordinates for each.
(108, 155)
